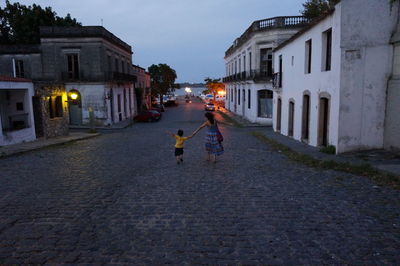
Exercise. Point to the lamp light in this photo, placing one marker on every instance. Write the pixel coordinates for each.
(73, 96)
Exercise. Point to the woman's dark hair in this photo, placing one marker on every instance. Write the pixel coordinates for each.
(210, 117)
(180, 132)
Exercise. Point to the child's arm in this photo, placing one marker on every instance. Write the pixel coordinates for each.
(170, 133)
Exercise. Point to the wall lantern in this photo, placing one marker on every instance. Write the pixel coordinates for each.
(74, 96)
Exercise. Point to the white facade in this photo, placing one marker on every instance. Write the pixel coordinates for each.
(110, 104)
(16, 114)
(353, 88)
(249, 67)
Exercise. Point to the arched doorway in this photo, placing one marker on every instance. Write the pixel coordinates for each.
(291, 119)
(305, 125)
(75, 107)
(323, 121)
(279, 115)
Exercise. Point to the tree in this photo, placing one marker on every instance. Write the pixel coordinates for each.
(213, 86)
(162, 78)
(20, 24)
(315, 8)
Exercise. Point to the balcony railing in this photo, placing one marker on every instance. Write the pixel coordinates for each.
(267, 24)
(277, 80)
(103, 77)
(254, 75)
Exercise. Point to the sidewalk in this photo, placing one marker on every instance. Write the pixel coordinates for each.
(6, 151)
(120, 125)
(379, 159)
(243, 122)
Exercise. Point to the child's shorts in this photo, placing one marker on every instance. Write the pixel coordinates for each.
(178, 151)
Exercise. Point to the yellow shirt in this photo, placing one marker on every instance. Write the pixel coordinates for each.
(179, 141)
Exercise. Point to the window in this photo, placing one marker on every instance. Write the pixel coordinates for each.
(239, 97)
(308, 56)
(109, 63)
(266, 62)
(19, 69)
(231, 95)
(240, 65)
(265, 103)
(280, 72)
(55, 106)
(326, 50)
(72, 66)
(235, 66)
(20, 106)
(122, 66)
(250, 61)
(244, 62)
(248, 99)
(116, 65)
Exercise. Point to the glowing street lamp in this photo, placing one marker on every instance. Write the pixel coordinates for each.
(221, 93)
(74, 95)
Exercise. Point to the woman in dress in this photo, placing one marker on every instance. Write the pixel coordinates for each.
(213, 145)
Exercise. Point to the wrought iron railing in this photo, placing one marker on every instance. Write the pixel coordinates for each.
(277, 80)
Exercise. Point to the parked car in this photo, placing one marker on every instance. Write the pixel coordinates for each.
(209, 107)
(148, 116)
(158, 107)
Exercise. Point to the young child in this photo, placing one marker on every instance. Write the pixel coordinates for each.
(179, 145)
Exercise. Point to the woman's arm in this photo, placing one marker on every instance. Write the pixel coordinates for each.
(197, 130)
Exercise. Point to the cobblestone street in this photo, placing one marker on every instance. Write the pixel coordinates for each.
(120, 198)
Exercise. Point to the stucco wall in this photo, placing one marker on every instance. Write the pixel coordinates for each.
(317, 83)
(259, 40)
(26, 134)
(98, 97)
(367, 59)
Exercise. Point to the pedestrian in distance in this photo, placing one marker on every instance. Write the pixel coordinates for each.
(213, 139)
(180, 139)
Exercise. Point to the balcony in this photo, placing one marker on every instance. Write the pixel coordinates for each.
(267, 24)
(253, 75)
(103, 77)
(277, 81)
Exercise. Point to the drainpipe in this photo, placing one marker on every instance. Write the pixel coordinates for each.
(14, 70)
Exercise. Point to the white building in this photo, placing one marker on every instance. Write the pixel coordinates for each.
(249, 67)
(333, 77)
(16, 113)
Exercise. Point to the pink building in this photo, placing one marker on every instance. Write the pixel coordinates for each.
(143, 83)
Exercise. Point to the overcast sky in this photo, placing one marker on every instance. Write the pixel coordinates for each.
(189, 35)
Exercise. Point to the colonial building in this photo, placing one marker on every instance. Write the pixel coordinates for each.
(96, 68)
(16, 112)
(332, 80)
(78, 73)
(249, 67)
(142, 85)
(49, 101)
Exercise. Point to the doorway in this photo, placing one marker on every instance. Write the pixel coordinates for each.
(279, 115)
(305, 125)
(37, 115)
(323, 122)
(244, 102)
(291, 119)
(75, 107)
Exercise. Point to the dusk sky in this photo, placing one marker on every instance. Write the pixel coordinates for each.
(189, 35)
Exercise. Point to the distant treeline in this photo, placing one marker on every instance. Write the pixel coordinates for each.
(192, 85)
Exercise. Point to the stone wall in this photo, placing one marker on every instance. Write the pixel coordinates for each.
(57, 126)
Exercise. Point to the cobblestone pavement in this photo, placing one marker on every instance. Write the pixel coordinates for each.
(121, 199)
